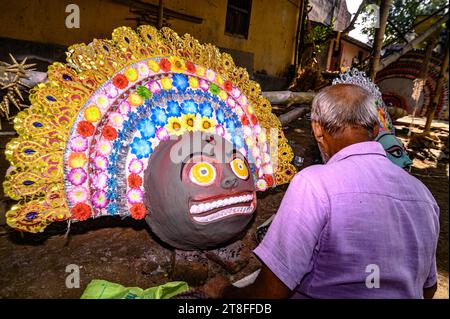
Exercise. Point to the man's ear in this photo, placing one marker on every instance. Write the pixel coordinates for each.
(318, 131)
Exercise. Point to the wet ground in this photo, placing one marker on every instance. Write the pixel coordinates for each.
(125, 252)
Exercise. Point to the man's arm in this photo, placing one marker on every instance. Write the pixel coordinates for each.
(288, 247)
(266, 286)
(428, 293)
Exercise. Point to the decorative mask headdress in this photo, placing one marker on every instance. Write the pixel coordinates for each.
(85, 141)
(356, 77)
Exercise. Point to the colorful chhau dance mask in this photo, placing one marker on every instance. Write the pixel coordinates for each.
(394, 148)
(117, 105)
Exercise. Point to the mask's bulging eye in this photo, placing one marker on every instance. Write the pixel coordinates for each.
(202, 174)
(395, 151)
(239, 168)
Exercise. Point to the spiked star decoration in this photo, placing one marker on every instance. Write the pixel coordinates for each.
(11, 84)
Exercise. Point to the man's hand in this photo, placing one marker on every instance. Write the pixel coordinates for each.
(214, 287)
(266, 286)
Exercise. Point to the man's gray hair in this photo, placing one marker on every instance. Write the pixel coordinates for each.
(344, 105)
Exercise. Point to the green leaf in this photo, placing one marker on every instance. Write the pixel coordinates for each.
(214, 89)
(144, 92)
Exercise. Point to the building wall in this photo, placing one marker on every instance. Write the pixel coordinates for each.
(271, 33)
(403, 88)
(349, 52)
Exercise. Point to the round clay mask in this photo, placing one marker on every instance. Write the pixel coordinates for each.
(199, 191)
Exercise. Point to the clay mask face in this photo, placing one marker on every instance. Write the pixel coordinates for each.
(395, 150)
(202, 192)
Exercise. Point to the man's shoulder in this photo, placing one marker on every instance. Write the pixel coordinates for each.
(315, 172)
(418, 188)
(326, 177)
(312, 175)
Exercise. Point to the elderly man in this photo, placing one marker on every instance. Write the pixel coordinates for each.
(357, 227)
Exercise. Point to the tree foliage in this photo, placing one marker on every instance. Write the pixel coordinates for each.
(402, 14)
(318, 35)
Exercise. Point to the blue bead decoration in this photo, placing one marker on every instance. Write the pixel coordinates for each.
(112, 208)
(189, 107)
(173, 108)
(111, 195)
(112, 170)
(159, 116)
(141, 148)
(230, 124)
(238, 141)
(31, 215)
(146, 128)
(220, 115)
(180, 81)
(29, 151)
(206, 109)
(112, 183)
(141, 109)
(116, 144)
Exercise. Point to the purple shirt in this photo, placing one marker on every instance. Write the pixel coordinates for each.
(341, 224)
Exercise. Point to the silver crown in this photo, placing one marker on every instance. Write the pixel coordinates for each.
(357, 77)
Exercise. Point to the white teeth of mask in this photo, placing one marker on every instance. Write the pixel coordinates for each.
(224, 213)
(204, 207)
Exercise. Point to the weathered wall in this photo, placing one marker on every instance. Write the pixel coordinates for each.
(396, 81)
(271, 33)
(326, 11)
(349, 52)
(401, 87)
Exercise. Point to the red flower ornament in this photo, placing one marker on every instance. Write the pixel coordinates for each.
(138, 211)
(109, 133)
(254, 119)
(134, 180)
(165, 65)
(268, 179)
(190, 67)
(228, 86)
(244, 120)
(81, 211)
(120, 81)
(85, 128)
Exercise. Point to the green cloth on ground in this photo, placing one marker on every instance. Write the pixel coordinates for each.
(102, 289)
